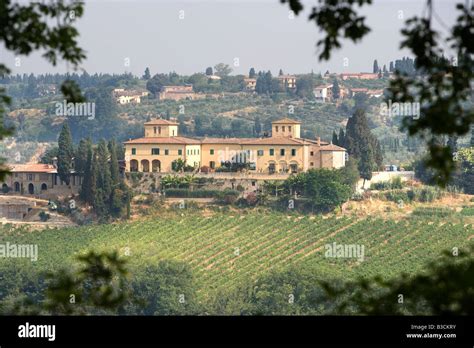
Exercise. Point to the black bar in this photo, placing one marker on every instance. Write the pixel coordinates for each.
(242, 330)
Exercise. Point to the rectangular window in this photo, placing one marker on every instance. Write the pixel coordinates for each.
(180, 152)
(283, 128)
(154, 130)
(134, 151)
(30, 177)
(311, 153)
(167, 152)
(155, 151)
(289, 128)
(260, 153)
(272, 152)
(211, 151)
(293, 152)
(187, 152)
(276, 128)
(212, 164)
(282, 152)
(312, 164)
(159, 130)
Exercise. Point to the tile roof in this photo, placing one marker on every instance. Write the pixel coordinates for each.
(332, 147)
(164, 140)
(286, 120)
(161, 122)
(32, 168)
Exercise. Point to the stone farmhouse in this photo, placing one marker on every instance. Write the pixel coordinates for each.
(40, 180)
(283, 152)
(176, 93)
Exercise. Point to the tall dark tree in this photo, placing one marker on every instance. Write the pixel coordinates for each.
(209, 71)
(114, 166)
(336, 90)
(65, 154)
(104, 180)
(376, 67)
(472, 137)
(280, 73)
(391, 68)
(361, 144)
(80, 160)
(146, 74)
(334, 138)
(342, 138)
(88, 187)
(252, 73)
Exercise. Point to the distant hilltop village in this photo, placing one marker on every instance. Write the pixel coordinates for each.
(322, 93)
(283, 152)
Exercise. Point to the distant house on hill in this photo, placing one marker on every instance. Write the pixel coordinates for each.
(176, 92)
(323, 93)
(359, 76)
(287, 81)
(250, 84)
(123, 96)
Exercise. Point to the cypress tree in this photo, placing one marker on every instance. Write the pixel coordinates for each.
(96, 191)
(334, 138)
(88, 181)
(114, 167)
(336, 90)
(361, 144)
(342, 138)
(376, 67)
(252, 73)
(80, 160)
(65, 154)
(104, 181)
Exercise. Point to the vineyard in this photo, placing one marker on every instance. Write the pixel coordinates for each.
(225, 249)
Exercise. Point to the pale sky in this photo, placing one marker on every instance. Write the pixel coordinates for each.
(243, 34)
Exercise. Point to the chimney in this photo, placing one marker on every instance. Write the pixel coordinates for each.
(318, 141)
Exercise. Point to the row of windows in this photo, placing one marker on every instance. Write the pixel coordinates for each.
(156, 151)
(283, 128)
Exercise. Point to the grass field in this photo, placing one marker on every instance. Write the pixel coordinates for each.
(225, 249)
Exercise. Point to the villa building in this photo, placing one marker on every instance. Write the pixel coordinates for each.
(283, 152)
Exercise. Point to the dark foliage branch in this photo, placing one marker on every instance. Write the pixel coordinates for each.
(40, 26)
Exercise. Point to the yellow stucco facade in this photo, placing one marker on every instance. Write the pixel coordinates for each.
(284, 152)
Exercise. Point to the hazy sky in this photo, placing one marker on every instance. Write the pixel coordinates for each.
(258, 33)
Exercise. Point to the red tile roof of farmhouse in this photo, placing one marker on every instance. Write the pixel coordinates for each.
(332, 147)
(287, 120)
(164, 140)
(33, 168)
(161, 122)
